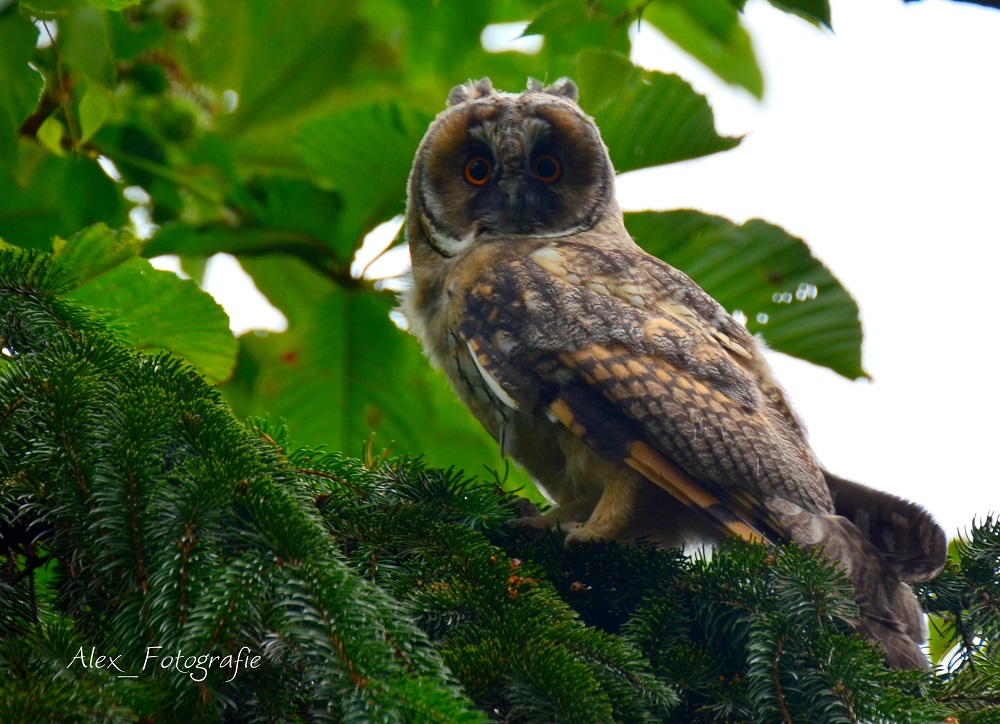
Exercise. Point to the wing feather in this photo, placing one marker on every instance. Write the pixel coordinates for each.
(663, 382)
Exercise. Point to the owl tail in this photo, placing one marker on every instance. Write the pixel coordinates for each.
(888, 611)
(906, 535)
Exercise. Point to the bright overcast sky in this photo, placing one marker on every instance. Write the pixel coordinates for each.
(879, 144)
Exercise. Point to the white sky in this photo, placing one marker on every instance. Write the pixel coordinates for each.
(879, 145)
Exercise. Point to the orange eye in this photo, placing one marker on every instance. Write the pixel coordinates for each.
(547, 168)
(478, 170)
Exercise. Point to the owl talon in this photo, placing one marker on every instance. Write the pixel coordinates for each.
(582, 533)
(533, 524)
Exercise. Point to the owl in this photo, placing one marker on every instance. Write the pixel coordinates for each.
(642, 409)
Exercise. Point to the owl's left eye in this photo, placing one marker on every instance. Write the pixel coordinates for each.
(547, 168)
(478, 170)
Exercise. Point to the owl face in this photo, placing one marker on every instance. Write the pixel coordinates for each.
(499, 165)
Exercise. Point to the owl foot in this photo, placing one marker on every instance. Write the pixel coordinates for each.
(612, 517)
(534, 524)
(581, 533)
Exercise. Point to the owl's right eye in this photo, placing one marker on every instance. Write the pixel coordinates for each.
(478, 170)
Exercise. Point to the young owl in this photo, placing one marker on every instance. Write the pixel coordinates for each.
(640, 407)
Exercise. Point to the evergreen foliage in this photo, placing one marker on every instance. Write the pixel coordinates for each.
(137, 511)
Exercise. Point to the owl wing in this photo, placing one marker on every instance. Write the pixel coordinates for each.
(643, 366)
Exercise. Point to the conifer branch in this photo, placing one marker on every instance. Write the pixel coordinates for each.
(138, 515)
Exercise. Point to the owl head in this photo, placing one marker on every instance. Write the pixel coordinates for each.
(499, 165)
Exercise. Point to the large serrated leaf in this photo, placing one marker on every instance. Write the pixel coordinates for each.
(157, 310)
(710, 31)
(646, 118)
(569, 26)
(282, 215)
(152, 310)
(96, 250)
(55, 197)
(281, 58)
(348, 372)
(365, 154)
(816, 12)
(786, 294)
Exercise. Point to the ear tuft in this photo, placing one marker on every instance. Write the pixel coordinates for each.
(564, 88)
(470, 91)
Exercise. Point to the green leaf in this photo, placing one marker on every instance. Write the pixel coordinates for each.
(710, 31)
(21, 84)
(281, 58)
(347, 372)
(96, 250)
(786, 294)
(157, 310)
(85, 45)
(290, 284)
(570, 26)
(646, 118)
(113, 4)
(942, 637)
(56, 8)
(152, 310)
(816, 12)
(51, 9)
(365, 154)
(50, 134)
(282, 215)
(249, 241)
(94, 108)
(424, 48)
(53, 196)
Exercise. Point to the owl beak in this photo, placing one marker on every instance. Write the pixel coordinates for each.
(510, 187)
(518, 209)
(516, 213)
(515, 208)
(516, 199)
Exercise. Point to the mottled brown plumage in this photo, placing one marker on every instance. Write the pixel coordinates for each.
(639, 406)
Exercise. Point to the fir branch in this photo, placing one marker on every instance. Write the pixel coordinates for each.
(137, 512)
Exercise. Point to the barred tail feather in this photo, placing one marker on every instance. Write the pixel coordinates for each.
(889, 613)
(906, 535)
